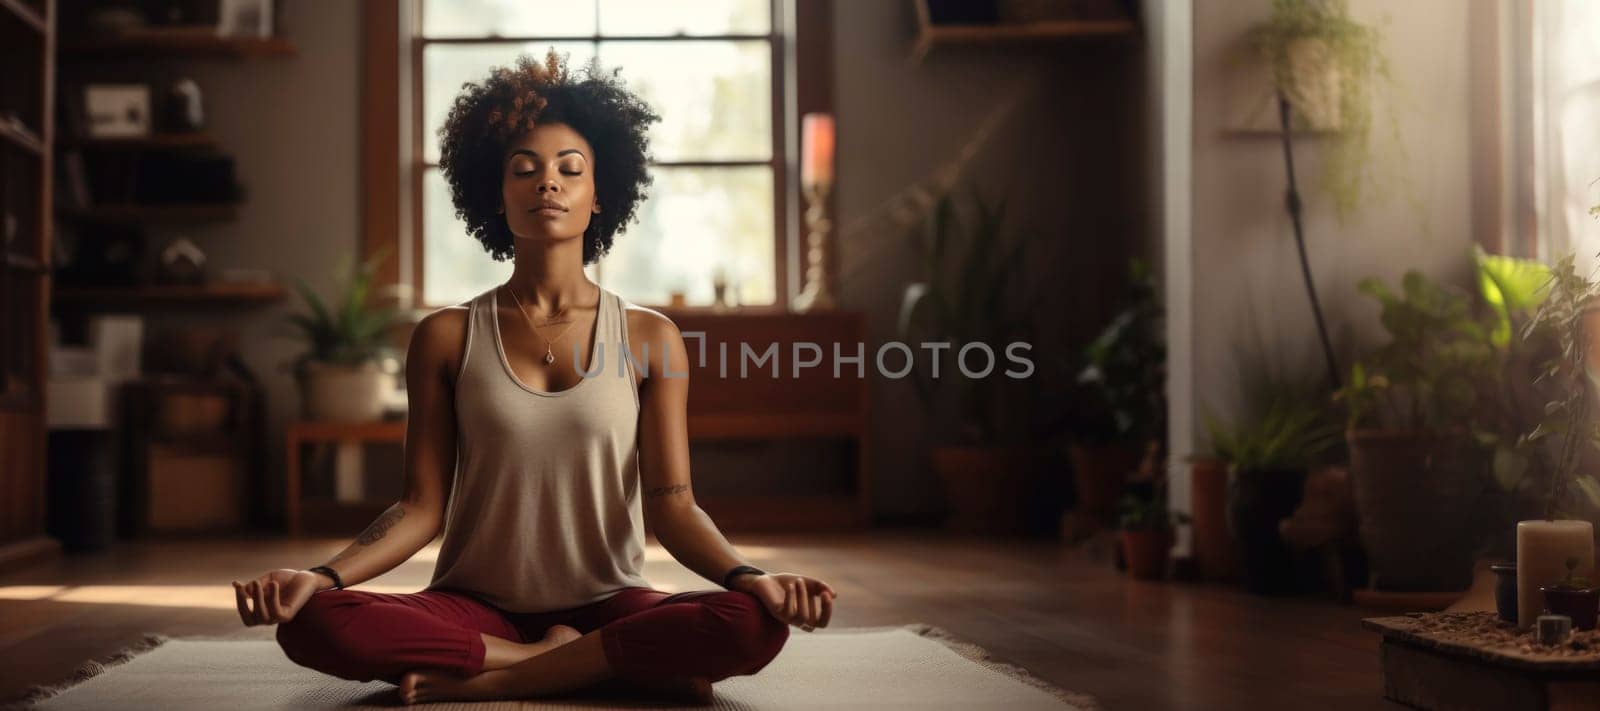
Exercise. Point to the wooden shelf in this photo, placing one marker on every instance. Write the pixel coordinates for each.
(152, 214)
(21, 138)
(1067, 29)
(931, 34)
(134, 297)
(27, 15)
(157, 141)
(190, 42)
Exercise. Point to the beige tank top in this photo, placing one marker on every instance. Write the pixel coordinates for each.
(545, 512)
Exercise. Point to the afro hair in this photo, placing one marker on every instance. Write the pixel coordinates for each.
(488, 117)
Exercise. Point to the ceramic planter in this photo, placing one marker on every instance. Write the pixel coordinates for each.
(1258, 500)
(1581, 604)
(344, 393)
(1505, 591)
(1414, 491)
(989, 490)
(1317, 84)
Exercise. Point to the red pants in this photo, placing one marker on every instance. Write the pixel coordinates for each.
(647, 634)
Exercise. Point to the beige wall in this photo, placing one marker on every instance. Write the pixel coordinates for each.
(292, 126)
(1244, 269)
(1071, 160)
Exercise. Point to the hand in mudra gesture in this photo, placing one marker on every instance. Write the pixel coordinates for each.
(804, 602)
(274, 597)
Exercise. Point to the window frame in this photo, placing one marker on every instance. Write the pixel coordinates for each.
(779, 39)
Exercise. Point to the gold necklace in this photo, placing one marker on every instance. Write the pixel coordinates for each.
(549, 345)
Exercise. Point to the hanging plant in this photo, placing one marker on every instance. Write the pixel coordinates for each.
(1328, 66)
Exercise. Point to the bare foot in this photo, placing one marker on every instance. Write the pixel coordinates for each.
(430, 685)
(427, 685)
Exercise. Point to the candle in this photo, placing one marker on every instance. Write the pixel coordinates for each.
(816, 151)
(1543, 549)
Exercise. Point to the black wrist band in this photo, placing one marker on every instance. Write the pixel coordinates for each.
(338, 584)
(727, 580)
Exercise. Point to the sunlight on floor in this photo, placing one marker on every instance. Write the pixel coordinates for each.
(220, 597)
(189, 596)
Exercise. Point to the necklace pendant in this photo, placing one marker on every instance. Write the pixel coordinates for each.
(549, 357)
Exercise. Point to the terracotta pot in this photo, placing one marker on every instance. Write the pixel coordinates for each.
(1258, 500)
(1146, 552)
(1581, 605)
(1414, 495)
(989, 490)
(344, 393)
(1215, 552)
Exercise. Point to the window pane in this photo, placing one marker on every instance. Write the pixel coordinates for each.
(692, 17)
(507, 18)
(447, 66)
(715, 98)
(695, 221)
(455, 266)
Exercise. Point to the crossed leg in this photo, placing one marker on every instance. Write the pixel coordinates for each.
(677, 644)
(361, 636)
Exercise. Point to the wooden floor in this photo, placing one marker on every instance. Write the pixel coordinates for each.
(1068, 619)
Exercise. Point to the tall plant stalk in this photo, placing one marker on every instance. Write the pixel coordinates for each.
(1292, 202)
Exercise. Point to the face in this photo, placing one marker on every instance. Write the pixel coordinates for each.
(547, 184)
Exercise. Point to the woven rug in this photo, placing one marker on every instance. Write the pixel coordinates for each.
(912, 667)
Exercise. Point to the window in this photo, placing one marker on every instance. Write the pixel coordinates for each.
(1566, 150)
(711, 68)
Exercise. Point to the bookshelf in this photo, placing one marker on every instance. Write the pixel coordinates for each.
(27, 48)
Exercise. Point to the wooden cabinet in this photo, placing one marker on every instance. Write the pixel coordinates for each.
(759, 404)
(193, 455)
(27, 69)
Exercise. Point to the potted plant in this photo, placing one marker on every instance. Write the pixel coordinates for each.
(1146, 533)
(346, 367)
(1510, 291)
(1125, 370)
(1411, 404)
(1556, 445)
(1326, 66)
(985, 457)
(1574, 597)
(1268, 457)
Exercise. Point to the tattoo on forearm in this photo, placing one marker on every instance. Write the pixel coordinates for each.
(666, 490)
(381, 526)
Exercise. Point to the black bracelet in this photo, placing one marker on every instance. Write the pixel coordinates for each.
(727, 579)
(338, 584)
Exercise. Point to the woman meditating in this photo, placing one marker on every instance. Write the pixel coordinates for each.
(547, 425)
